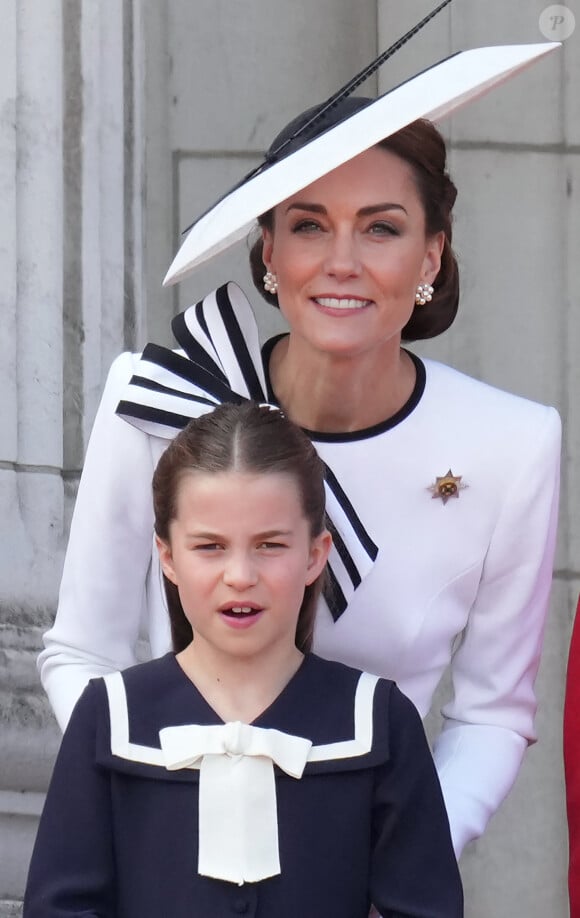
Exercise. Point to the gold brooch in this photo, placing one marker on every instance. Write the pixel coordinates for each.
(446, 486)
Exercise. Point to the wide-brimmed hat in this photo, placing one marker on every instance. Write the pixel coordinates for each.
(330, 135)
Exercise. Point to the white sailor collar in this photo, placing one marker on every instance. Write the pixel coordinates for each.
(323, 720)
(329, 705)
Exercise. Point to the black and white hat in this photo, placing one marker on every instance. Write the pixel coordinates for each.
(330, 134)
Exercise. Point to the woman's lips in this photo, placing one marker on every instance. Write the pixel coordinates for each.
(342, 302)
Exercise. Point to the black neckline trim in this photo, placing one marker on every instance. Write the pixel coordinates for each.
(366, 432)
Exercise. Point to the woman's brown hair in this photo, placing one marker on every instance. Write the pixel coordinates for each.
(243, 438)
(421, 146)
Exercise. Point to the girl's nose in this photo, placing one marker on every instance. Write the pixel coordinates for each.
(240, 571)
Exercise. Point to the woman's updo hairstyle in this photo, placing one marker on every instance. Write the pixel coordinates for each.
(246, 438)
(421, 146)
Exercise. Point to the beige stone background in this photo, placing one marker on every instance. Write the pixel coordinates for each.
(119, 121)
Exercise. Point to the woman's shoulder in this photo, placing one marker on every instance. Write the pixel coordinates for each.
(455, 392)
(463, 385)
(123, 367)
(120, 372)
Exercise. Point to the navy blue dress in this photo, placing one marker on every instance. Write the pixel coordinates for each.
(119, 835)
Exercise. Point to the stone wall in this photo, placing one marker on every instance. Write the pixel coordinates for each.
(119, 121)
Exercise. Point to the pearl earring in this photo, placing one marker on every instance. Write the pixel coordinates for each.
(270, 282)
(424, 294)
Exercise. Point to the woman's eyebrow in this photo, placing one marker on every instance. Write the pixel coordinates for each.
(363, 212)
(303, 205)
(378, 208)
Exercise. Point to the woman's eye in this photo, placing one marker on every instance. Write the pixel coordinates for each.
(306, 226)
(381, 228)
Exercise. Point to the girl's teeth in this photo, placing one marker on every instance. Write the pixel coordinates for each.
(240, 610)
(331, 302)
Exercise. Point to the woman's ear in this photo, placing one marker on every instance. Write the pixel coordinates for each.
(166, 559)
(432, 259)
(319, 552)
(267, 248)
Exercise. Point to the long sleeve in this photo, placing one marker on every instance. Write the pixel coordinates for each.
(572, 765)
(72, 868)
(102, 599)
(414, 873)
(490, 720)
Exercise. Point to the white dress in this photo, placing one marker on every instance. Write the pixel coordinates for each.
(464, 581)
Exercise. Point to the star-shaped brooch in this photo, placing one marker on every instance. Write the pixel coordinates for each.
(446, 486)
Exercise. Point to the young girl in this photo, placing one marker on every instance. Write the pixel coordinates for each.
(242, 774)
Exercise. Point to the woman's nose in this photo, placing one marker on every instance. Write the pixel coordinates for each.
(342, 256)
(240, 571)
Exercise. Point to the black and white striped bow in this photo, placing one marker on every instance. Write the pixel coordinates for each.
(222, 363)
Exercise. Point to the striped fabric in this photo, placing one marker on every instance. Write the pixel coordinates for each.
(220, 361)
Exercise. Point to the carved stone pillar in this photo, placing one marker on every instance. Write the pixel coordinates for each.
(70, 300)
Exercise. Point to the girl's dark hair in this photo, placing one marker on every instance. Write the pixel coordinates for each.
(242, 438)
(421, 146)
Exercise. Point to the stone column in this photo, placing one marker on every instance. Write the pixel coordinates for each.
(31, 485)
(70, 300)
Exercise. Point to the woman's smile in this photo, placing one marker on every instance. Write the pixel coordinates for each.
(341, 303)
(352, 244)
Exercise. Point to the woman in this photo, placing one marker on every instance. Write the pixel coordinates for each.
(454, 482)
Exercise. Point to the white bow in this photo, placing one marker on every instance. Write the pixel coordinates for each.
(238, 819)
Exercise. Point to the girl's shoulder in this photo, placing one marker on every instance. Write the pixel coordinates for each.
(134, 705)
(359, 717)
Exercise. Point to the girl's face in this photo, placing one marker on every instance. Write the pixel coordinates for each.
(349, 251)
(241, 555)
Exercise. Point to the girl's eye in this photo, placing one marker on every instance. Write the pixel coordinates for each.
(382, 228)
(207, 546)
(271, 545)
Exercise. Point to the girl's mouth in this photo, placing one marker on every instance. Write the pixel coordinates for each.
(240, 611)
(241, 617)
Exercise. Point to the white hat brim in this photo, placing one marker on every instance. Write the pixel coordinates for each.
(433, 94)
